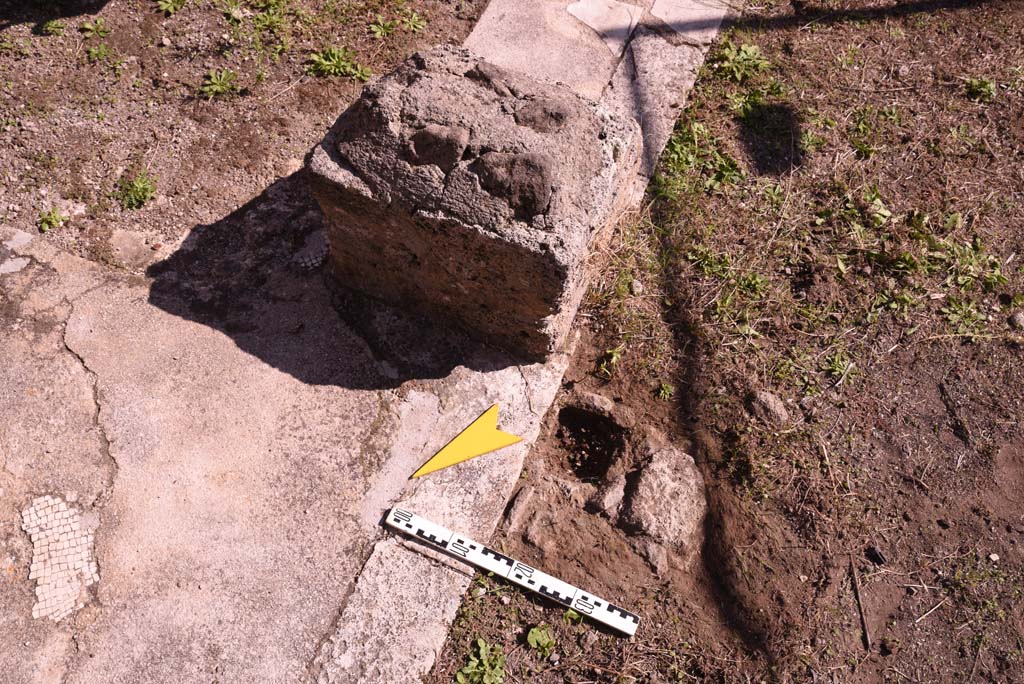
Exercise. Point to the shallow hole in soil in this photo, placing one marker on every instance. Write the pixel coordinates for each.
(593, 442)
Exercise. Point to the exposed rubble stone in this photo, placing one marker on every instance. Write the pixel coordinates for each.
(470, 192)
(665, 507)
(768, 408)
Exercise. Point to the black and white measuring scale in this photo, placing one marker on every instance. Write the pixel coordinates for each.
(514, 571)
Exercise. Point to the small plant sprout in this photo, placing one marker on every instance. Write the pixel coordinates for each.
(412, 21)
(98, 53)
(133, 192)
(740, 64)
(571, 617)
(332, 61)
(964, 316)
(219, 83)
(609, 361)
(665, 391)
(486, 665)
(50, 219)
(95, 29)
(839, 366)
(981, 89)
(540, 639)
(53, 27)
(169, 7)
(381, 29)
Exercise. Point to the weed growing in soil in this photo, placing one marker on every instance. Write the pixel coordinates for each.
(219, 83)
(540, 640)
(98, 53)
(981, 89)
(332, 61)
(665, 391)
(95, 29)
(411, 21)
(134, 192)
(50, 219)
(740, 64)
(486, 665)
(53, 27)
(169, 7)
(381, 29)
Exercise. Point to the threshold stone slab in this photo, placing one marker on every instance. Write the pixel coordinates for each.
(474, 194)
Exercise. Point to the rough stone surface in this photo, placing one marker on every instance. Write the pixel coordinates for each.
(768, 408)
(1016, 320)
(665, 506)
(696, 20)
(552, 44)
(470, 193)
(608, 498)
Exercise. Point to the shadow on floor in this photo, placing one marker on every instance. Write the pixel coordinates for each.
(770, 133)
(38, 12)
(241, 276)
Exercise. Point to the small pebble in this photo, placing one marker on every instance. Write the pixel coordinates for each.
(993, 557)
(636, 287)
(505, 600)
(1017, 320)
(555, 658)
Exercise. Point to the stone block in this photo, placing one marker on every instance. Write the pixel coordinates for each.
(473, 194)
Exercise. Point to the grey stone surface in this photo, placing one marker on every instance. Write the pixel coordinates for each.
(650, 85)
(768, 408)
(548, 43)
(665, 507)
(474, 194)
(695, 20)
(613, 21)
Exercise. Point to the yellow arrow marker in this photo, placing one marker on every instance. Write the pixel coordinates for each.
(481, 437)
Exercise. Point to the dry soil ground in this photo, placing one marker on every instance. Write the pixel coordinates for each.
(124, 126)
(839, 222)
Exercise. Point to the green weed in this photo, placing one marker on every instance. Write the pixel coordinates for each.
(486, 665)
(95, 29)
(571, 617)
(98, 53)
(50, 219)
(219, 83)
(169, 7)
(665, 391)
(964, 316)
(133, 192)
(412, 21)
(692, 161)
(740, 64)
(608, 362)
(53, 27)
(332, 61)
(980, 89)
(541, 640)
(381, 29)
